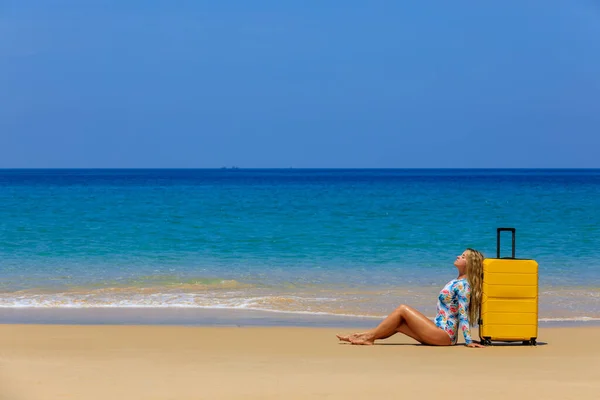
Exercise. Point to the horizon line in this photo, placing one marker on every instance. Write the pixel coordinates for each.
(299, 168)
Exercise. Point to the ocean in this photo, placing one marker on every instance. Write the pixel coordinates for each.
(326, 242)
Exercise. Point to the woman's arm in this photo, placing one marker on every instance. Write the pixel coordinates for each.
(463, 312)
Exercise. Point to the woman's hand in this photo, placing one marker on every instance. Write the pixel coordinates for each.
(475, 344)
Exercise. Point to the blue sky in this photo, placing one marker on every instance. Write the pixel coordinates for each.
(299, 83)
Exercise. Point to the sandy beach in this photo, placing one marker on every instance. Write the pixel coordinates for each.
(169, 362)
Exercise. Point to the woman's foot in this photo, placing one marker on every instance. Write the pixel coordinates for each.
(343, 338)
(349, 338)
(364, 339)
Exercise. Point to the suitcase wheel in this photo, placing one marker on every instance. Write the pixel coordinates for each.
(531, 342)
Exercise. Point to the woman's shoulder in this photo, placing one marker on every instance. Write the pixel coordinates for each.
(457, 285)
(461, 284)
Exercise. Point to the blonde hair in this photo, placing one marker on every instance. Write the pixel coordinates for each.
(474, 277)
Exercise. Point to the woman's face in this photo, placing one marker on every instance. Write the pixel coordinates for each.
(461, 261)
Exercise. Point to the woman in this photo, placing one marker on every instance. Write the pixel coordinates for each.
(458, 304)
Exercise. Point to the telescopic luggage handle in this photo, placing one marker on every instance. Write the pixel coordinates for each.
(499, 230)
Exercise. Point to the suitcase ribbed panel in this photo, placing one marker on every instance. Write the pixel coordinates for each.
(509, 307)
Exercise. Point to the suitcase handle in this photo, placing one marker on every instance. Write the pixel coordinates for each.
(499, 230)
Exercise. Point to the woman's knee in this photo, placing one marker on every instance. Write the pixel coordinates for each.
(402, 308)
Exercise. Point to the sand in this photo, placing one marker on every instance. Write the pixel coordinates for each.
(169, 362)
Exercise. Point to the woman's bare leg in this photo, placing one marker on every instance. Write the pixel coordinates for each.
(407, 320)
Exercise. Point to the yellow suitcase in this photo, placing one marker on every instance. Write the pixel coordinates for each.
(509, 303)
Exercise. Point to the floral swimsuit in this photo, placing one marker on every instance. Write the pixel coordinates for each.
(453, 309)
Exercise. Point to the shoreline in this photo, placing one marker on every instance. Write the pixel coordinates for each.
(556, 303)
(206, 317)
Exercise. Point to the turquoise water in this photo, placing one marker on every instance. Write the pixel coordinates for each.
(350, 242)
